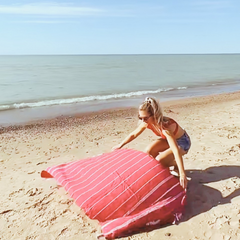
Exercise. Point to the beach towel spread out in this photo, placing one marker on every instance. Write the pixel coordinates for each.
(125, 190)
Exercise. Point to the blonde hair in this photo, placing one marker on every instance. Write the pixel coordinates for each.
(152, 106)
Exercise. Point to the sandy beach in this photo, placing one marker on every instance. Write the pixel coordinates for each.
(36, 208)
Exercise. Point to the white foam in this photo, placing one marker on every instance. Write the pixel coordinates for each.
(80, 99)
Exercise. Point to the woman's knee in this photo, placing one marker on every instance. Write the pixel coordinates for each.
(150, 151)
(154, 148)
(166, 158)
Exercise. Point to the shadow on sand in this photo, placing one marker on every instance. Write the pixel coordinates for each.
(201, 198)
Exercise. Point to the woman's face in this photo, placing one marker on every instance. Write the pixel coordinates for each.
(145, 116)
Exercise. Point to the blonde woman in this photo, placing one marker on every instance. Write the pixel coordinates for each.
(173, 143)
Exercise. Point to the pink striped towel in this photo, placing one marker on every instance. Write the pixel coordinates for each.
(125, 190)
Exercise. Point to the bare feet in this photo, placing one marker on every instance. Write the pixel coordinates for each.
(175, 172)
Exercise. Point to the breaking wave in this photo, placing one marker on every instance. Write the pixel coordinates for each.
(42, 103)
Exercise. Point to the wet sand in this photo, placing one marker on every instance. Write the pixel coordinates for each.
(35, 208)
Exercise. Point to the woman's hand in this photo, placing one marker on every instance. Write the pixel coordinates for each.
(116, 147)
(183, 181)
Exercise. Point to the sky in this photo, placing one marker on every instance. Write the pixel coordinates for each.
(119, 27)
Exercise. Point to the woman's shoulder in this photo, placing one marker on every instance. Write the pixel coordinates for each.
(167, 121)
(170, 125)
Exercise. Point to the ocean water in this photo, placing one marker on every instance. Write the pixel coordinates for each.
(36, 87)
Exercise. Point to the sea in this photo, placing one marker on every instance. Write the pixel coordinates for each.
(35, 87)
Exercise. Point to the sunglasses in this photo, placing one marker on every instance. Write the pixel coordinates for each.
(144, 118)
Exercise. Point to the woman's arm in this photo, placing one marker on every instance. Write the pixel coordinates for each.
(132, 135)
(178, 157)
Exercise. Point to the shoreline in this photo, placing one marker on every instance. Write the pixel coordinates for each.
(35, 208)
(83, 117)
(19, 116)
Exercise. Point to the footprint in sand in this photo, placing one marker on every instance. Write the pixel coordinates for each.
(33, 191)
(41, 163)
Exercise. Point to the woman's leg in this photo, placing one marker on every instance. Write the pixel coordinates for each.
(167, 158)
(160, 150)
(156, 147)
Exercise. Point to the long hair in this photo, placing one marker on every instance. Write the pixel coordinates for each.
(152, 106)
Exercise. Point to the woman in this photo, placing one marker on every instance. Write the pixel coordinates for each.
(173, 143)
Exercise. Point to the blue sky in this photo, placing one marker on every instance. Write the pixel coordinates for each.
(119, 27)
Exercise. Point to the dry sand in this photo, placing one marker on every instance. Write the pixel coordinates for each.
(35, 208)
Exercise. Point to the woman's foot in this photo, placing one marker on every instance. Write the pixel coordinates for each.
(175, 172)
